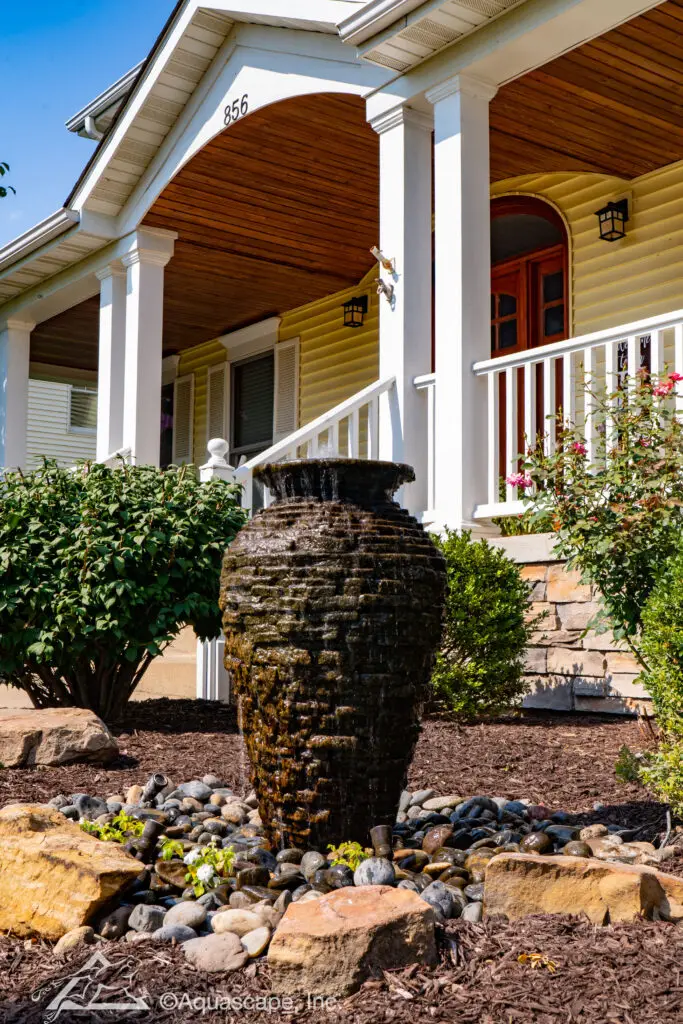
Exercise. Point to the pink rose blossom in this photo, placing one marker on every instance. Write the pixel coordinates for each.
(675, 377)
(522, 480)
(579, 448)
(663, 390)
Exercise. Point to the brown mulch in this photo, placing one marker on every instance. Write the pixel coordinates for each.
(623, 974)
(565, 761)
(626, 974)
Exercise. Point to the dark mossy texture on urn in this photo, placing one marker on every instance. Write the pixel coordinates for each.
(332, 600)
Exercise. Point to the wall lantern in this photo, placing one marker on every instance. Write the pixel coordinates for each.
(355, 310)
(612, 220)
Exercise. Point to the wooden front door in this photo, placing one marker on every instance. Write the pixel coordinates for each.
(528, 309)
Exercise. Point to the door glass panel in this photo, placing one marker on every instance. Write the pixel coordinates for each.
(553, 321)
(553, 287)
(507, 305)
(508, 334)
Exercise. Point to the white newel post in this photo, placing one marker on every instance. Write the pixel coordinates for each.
(15, 347)
(150, 251)
(462, 294)
(213, 681)
(110, 362)
(405, 332)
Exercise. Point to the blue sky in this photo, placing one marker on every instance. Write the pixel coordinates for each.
(55, 55)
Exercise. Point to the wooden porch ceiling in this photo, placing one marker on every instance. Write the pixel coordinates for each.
(614, 105)
(282, 209)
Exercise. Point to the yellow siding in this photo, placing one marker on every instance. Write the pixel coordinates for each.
(642, 274)
(197, 360)
(335, 361)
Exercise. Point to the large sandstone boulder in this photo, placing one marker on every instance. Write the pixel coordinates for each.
(520, 884)
(53, 876)
(329, 946)
(54, 736)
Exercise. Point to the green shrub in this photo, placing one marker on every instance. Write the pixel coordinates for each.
(101, 568)
(481, 661)
(662, 772)
(662, 646)
(628, 765)
(619, 516)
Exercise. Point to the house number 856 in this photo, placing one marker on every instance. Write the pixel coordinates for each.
(237, 109)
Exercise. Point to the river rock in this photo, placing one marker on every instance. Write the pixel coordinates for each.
(115, 925)
(418, 798)
(239, 922)
(255, 943)
(331, 945)
(216, 953)
(577, 849)
(145, 918)
(75, 939)
(187, 912)
(519, 884)
(440, 803)
(75, 873)
(310, 863)
(436, 838)
(174, 933)
(374, 871)
(196, 790)
(172, 871)
(536, 842)
(54, 736)
(473, 913)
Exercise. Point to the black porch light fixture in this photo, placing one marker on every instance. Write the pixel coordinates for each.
(355, 310)
(612, 220)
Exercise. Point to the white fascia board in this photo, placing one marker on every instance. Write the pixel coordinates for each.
(313, 15)
(512, 45)
(376, 16)
(114, 94)
(45, 231)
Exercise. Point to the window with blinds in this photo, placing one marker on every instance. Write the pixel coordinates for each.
(253, 391)
(83, 410)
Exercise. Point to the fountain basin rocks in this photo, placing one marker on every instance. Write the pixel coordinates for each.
(332, 601)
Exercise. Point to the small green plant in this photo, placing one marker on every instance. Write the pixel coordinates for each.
(662, 772)
(350, 854)
(171, 848)
(479, 668)
(122, 828)
(208, 866)
(628, 765)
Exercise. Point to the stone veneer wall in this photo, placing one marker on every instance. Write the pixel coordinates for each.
(567, 670)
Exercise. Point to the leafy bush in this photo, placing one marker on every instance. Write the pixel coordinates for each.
(480, 664)
(620, 517)
(122, 828)
(662, 647)
(101, 568)
(662, 772)
(628, 765)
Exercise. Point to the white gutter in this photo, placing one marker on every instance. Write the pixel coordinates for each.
(104, 101)
(53, 226)
(374, 17)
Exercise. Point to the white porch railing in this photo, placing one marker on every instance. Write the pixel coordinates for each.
(350, 429)
(526, 388)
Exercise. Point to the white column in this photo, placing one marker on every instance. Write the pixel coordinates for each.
(462, 294)
(150, 251)
(111, 360)
(405, 333)
(15, 350)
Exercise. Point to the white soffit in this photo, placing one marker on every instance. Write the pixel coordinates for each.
(432, 27)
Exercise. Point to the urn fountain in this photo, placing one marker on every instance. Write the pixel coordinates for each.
(332, 602)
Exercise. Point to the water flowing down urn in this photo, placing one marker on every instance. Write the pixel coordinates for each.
(332, 601)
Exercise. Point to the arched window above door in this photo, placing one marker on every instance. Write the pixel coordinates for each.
(529, 275)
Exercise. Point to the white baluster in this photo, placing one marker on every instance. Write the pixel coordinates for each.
(568, 388)
(633, 361)
(611, 356)
(656, 353)
(248, 493)
(678, 365)
(333, 439)
(589, 404)
(510, 429)
(353, 435)
(373, 428)
(549, 407)
(493, 437)
(431, 445)
(530, 404)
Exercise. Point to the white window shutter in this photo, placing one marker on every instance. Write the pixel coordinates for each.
(286, 404)
(183, 416)
(215, 402)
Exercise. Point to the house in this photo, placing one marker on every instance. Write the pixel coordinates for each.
(516, 166)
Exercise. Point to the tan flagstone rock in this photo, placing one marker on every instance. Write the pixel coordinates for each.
(329, 946)
(54, 736)
(53, 876)
(518, 884)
